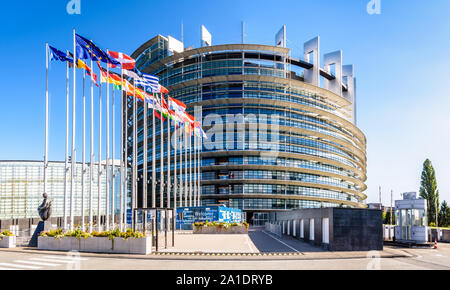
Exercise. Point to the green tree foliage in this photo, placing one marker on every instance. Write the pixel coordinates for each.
(429, 191)
(444, 215)
(387, 218)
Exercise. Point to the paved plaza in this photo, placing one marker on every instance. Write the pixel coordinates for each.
(257, 251)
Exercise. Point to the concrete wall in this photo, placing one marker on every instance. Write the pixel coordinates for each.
(349, 229)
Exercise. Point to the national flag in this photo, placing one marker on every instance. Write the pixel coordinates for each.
(131, 73)
(176, 105)
(86, 49)
(58, 55)
(125, 61)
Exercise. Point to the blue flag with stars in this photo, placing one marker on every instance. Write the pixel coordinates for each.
(56, 55)
(86, 49)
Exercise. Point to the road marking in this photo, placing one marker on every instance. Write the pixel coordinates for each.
(20, 266)
(37, 263)
(281, 242)
(67, 258)
(52, 260)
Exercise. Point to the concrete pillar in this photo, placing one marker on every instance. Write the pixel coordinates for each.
(329, 59)
(312, 56)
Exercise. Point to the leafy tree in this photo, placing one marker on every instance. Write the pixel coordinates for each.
(429, 191)
(444, 215)
(387, 218)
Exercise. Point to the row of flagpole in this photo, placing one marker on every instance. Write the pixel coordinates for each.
(187, 134)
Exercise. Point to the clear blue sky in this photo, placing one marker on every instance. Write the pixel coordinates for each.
(400, 57)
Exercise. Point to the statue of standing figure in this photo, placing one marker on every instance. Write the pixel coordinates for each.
(45, 209)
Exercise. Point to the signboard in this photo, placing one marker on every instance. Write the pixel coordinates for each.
(174, 45)
(280, 38)
(186, 216)
(206, 37)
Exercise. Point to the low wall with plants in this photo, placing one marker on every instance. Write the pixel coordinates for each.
(220, 228)
(7, 240)
(114, 241)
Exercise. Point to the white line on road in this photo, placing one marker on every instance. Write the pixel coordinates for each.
(52, 260)
(281, 242)
(20, 266)
(248, 243)
(67, 258)
(37, 263)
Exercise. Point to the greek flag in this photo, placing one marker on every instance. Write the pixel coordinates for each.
(150, 82)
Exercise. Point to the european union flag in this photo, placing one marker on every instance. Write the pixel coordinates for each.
(86, 49)
(56, 54)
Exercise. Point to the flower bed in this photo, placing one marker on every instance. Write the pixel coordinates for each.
(212, 228)
(7, 240)
(117, 242)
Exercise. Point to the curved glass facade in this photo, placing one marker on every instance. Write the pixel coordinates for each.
(274, 142)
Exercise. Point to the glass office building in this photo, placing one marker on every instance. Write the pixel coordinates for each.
(22, 183)
(281, 131)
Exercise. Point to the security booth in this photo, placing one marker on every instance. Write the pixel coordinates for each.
(412, 221)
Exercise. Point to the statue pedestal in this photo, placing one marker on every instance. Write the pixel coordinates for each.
(42, 226)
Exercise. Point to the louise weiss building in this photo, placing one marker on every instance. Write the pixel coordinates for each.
(281, 131)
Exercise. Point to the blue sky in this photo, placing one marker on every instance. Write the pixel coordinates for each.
(400, 57)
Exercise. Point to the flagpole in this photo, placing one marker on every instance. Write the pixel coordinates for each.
(84, 151)
(99, 176)
(113, 172)
(186, 185)
(145, 161)
(72, 182)
(168, 155)
(121, 152)
(195, 170)
(66, 164)
(107, 148)
(154, 155)
(125, 176)
(161, 185)
(175, 176)
(91, 159)
(133, 176)
(190, 166)
(46, 120)
(181, 165)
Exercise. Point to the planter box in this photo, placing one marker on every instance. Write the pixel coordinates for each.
(141, 246)
(8, 242)
(236, 230)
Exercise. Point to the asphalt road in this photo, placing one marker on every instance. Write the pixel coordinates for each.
(304, 257)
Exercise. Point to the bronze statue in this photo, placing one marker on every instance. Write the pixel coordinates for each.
(45, 209)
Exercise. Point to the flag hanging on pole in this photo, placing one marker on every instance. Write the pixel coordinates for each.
(125, 61)
(57, 55)
(86, 49)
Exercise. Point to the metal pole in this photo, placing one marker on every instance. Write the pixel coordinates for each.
(153, 157)
(194, 185)
(46, 120)
(72, 181)
(145, 163)
(99, 176)
(121, 152)
(161, 185)
(125, 177)
(83, 164)
(133, 175)
(91, 178)
(113, 163)
(181, 166)
(66, 164)
(190, 166)
(168, 158)
(186, 185)
(175, 176)
(107, 149)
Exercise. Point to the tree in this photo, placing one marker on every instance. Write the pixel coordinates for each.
(429, 191)
(444, 215)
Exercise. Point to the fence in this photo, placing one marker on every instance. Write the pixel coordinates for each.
(274, 229)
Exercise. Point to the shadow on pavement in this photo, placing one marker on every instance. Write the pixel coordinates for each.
(268, 243)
